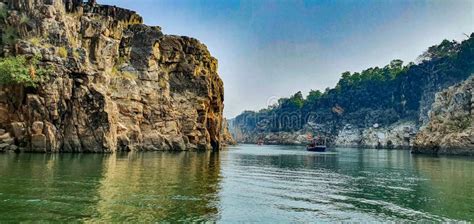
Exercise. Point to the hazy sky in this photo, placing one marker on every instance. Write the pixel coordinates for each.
(269, 49)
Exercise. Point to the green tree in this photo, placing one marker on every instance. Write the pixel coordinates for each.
(297, 100)
(313, 96)
(445, 49)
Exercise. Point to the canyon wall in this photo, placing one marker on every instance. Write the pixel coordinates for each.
(115, 84)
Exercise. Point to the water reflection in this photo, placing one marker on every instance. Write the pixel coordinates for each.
(159, 186)
(245, 184)
(49, 187)
(450, 188)
(119, 187)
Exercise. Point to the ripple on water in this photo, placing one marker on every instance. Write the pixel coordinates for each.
(375, 192)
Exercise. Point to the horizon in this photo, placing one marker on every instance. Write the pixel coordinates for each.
(272, 49)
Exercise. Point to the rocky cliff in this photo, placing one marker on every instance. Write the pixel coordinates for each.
(226, 136)
(451, 125)
(115, 84)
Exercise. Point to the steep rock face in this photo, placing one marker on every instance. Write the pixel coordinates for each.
(116, 84)
(226, 136)
(398, 135)
(451, 126)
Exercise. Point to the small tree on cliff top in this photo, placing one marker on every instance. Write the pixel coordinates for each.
(21, 71)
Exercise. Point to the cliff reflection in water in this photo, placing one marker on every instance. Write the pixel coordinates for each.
(49, 187)
(247, 183)
(160, 186)
(118, 187)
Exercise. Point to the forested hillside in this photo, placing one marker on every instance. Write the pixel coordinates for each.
(377, 96)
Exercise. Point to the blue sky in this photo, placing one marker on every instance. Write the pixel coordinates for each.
(269, 49)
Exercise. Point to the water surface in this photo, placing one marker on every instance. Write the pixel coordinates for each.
(246, 183)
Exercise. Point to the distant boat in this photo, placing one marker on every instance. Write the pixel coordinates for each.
(317, 145)
(317, 148)
(260, 142)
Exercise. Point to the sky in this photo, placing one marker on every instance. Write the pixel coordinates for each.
(268, 49)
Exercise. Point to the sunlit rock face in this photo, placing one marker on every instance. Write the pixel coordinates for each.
(451, 126)
(398, 135)
(117, 85)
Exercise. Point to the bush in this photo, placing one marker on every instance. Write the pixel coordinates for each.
(9, 35)
(129, 75)
(115, 71)
(76, 54)
(3, 12)
(35, 41)
(62, 51)
(19, 70)
(24, 19)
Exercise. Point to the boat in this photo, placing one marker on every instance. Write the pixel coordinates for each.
(317, 145)
(317, 148)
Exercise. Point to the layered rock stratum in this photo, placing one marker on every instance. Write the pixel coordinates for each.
(116, 84)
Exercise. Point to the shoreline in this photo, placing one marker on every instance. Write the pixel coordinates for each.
(461, 151)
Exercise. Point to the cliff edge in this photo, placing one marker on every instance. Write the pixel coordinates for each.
(114, 84)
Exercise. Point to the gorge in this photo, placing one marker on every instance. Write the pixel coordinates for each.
(104, 119)
(85, 77)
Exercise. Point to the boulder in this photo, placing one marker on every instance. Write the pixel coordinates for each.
(37, 127)
(19, 129)
(9, 141)
(4, 136)
(3, 147)
(38, 143)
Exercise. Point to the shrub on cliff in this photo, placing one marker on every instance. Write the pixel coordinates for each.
(22, 71)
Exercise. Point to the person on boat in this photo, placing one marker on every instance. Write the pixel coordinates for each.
(313, 143)
(317, 141)
(310, 138)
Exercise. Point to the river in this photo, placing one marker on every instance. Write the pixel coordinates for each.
(244, 183)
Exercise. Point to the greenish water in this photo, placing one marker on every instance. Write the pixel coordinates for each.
(246, 183)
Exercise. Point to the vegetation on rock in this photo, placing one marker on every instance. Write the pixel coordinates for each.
(9, 35)
(62, 51)
(3, 12)
(22, 71)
